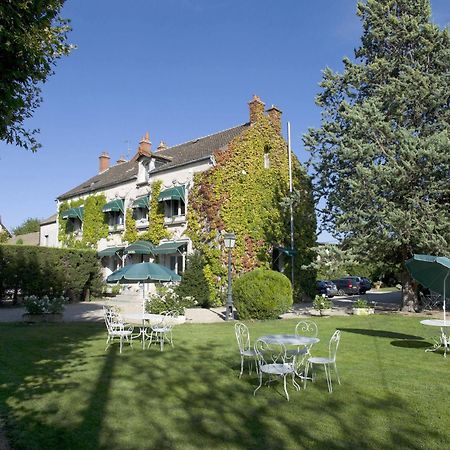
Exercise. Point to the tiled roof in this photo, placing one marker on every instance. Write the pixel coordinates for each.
(198, 149)
(178, 155)
(49, 220)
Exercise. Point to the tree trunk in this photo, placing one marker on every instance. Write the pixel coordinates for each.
(410, 300)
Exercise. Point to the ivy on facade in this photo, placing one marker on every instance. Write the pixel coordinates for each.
(243, 194)
(131, 233)
(95, 226)
(156, 230)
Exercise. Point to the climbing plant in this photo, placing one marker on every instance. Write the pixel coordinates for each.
(156, 230)
(95, 226)
(242, 193)
(131, 234)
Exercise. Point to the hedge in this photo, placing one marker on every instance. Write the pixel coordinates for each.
(30, 270)
(262, 294)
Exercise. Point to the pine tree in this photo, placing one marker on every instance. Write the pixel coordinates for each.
(381, 157)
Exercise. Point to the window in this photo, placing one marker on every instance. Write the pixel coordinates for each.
(174, 208)
(74, 225)
(140, 213)
(115, 218)
(266, 157)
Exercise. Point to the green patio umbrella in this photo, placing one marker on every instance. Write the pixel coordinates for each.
(432, 272)
(145, 272)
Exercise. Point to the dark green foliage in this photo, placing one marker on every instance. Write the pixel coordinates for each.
(262, 294)
(31, 225)
(193, 282)
(32, 38)
(381, 157)
(49, 271)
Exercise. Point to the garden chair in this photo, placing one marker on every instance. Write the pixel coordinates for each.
(116, 328)
(162, 330)
(245, 349)
(303, 328)
(325, 362)
(273, 361)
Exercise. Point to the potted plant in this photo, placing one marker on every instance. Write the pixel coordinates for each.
(362, 308)
(322, 304)
(43, 309)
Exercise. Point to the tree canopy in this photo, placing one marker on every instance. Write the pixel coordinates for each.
(31, 225)
(381, 158)
(32, 38)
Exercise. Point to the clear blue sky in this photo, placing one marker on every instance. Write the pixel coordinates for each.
(179, 69)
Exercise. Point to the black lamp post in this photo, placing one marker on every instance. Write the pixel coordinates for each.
(229, 240)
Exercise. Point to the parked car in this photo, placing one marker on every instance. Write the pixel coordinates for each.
(353, 285)
(327, 287)
(348, 285)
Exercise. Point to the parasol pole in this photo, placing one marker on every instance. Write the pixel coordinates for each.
(445, 281)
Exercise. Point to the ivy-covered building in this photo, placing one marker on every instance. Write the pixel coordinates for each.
(163, 204)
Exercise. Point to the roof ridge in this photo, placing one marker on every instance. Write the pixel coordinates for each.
(203, 137)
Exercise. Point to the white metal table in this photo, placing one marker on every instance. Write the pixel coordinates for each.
(443, 340)
(294, 340)
(143, 327)
(290, 339)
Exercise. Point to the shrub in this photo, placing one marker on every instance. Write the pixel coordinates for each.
(360, 303)
(166, 299)
(48, 271)
(193, 282)
(44, 305)
(322, 302)
(262, 294)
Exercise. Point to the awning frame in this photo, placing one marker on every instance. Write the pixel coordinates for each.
(116, 205)
(173, 193)
(73, 213)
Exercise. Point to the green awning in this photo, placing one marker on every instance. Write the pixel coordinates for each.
(114, 205)
(173, 193)
(73, 213)
(167, 248)
(110, 251)
(287, 251)
(141, 202)
(140, 248)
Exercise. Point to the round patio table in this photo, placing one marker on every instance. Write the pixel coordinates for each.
(295, 340)
(140, 318)
(443, 340)
(290, 339)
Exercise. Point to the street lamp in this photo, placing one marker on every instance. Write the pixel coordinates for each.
(229, 240)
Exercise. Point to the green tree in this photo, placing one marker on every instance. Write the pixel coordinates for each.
(381, 156)
(31, 225)
(193, 282)
(32, 38)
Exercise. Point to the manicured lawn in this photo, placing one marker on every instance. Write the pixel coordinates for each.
(61, 390)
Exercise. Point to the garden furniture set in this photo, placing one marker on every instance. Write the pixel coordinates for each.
(154, 328)
(283, 355)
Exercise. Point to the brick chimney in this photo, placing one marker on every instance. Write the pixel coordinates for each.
(162, 146)
(256, 109)
(275, 118)
(145, 146)
(104, 162)
(121, 160)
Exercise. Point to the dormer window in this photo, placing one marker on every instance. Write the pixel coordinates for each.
(266, 157)
(143, 169)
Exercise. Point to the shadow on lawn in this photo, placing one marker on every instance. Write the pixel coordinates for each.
(188, 396)
(381, 333)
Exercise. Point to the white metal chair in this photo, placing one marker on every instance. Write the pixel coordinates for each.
(326, 362)
(162, 330)
(303, 328)
(273, 361)
(245, 349)
(117, 328)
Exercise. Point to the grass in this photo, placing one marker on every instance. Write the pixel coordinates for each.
(61, 390)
